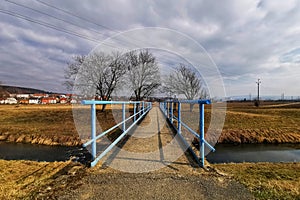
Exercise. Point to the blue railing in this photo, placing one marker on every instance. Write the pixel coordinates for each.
(140, 109)
(167, 109)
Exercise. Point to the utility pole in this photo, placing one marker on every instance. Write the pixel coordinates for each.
(258, 82)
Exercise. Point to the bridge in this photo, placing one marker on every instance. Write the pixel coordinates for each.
(151, 136)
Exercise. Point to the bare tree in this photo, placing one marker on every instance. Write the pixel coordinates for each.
(184, 81)
(72, 70)
(143, 73)
(98, 74)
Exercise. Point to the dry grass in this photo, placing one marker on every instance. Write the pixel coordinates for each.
(51, 124)
(30, 180)
(267, 180)
(245, 123)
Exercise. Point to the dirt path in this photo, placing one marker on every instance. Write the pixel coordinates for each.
(152, 165)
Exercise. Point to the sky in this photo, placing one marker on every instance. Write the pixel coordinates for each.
(247, 40)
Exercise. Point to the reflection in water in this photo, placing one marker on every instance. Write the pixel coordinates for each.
(255, 153)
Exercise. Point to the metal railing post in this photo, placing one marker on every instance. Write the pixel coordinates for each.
(167, 110)
(134, 112)
(93, 130)
(201, 128)
(124, 116)
(171, 112)
(179, 119)
(143, 107)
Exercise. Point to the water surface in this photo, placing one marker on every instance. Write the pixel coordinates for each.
(226, 153)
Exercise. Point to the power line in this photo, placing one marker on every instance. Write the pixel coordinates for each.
(43, 13)
(85, 19)
(75, 15)
(48, 25)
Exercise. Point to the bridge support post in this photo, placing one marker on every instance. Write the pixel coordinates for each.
(201, 128)
(93, 130)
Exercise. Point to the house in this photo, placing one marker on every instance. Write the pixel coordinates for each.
(24, 101)
(63, 100)
(39, 95)
(22, 96)
(49, 100)
(73, 101)
(34, 101)
(10, 101)
(2, 101)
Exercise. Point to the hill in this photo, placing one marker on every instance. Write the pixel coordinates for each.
(5, 90)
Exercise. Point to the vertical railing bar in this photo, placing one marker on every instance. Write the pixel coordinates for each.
(134, 111)
(201, 128)
(124, 117)
(93, 130)
(179, 119)
(171, 112)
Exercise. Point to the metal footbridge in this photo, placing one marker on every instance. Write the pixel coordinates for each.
(139, 110)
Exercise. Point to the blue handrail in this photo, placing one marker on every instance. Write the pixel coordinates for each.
(145, 107)
(167, 109)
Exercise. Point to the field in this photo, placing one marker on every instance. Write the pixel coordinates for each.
(272, 122)
(46, 124)
(53, 124)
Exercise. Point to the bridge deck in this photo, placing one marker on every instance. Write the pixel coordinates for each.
(151, 146)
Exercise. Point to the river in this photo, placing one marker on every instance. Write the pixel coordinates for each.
(226, 153)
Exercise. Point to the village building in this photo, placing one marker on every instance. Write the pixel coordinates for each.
(49, 100)
(10, 101)
(39, 95)
(22, 96)
(24, 101)
(33, 101)
(63, 100)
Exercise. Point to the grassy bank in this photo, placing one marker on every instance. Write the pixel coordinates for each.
(266, 180)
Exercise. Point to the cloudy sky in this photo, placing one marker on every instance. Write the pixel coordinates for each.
(246, 39)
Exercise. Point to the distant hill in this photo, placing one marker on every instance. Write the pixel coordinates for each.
(5, 90)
